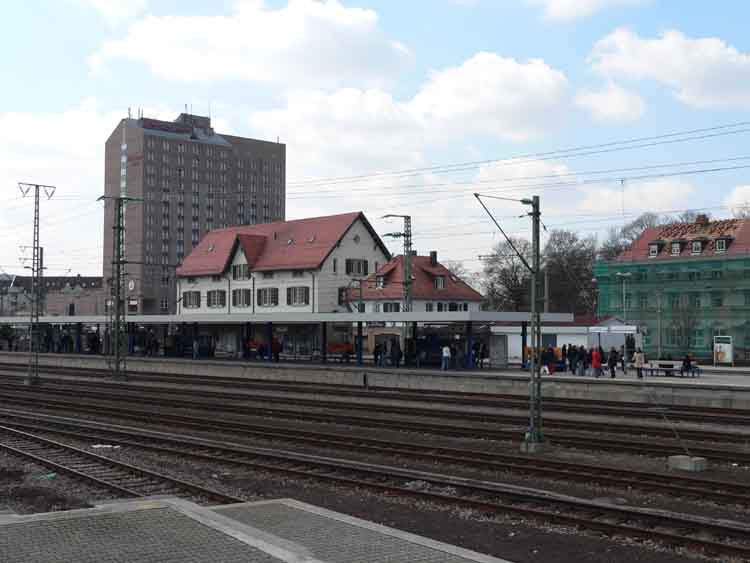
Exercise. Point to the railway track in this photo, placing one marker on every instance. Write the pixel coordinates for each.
(735, 417)
(663, 483)
(339, 411)
(165, 413)
(715, 538)
(121, 479)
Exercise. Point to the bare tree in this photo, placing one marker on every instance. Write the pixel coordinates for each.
(569, 262)
(619, 239)
(741, 211)
(457, 268)
(506, 280)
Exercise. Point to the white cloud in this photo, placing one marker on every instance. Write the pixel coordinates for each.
(305, 43)
(116, 11)
(568, 10)
(647, 195)
(738, 199)
(492, 95)
(705, 72)
(612, 103)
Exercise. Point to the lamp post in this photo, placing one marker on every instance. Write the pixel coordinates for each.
(624, 276)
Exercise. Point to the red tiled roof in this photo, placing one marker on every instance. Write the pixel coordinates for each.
(735, 231)
(300, 244)
(423, 284)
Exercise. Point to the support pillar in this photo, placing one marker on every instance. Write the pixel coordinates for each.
(469, 345)
(269, 338)
(524, 337)
(415, 339)
(131, 339)
(324, 342)
(359, 343)
(79, 343)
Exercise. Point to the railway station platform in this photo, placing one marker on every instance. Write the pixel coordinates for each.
(174, 530)
(715, 388)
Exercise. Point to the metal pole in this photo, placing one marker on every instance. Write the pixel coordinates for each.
(407, 263)
(624, 308)
(534, 436)
(658, 296)
(32, 377)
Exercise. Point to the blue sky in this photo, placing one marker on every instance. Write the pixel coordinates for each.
(370, 86)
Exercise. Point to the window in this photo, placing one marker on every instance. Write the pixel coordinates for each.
(721, 245)
(216, 298)
(676, 248)
(191, 299)
(440, 307)
(428, 307)
(379, 282)
(643, 301)
(356, 267)
(164, 305)
(240, 272)
(268, 297)
(717, 300)
(653, 250)
(452, 307)
(695, 299)
(376, 307)
(298, 274)
(696, 247)
(466, 307)
(391, 307)
(716, 274)
(674, 301)
(216, 278)
(267, 275)
(297, 296)
(335, 265)
(439, 282)
(242, 297)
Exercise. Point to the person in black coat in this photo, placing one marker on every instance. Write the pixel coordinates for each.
(612, 362)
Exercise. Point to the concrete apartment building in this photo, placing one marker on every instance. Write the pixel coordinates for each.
(190, 180)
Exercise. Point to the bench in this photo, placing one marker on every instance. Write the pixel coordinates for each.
(670, 369)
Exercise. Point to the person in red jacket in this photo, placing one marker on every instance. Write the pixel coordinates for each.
(596, 362)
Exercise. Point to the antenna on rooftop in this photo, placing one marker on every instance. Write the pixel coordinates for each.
(128, 113)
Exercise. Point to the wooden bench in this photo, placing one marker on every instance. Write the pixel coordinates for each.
(669, 369)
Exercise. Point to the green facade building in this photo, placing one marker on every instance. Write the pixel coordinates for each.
(683, 284)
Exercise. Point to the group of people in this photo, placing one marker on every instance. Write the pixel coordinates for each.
(455, 356)
(389, 350)
(592, 361)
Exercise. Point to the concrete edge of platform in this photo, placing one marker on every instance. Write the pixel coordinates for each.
(385, 530)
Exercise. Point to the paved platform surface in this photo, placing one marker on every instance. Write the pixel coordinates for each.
(173, 530)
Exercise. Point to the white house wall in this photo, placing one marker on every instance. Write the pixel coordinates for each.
(328, 282)
(420, 305)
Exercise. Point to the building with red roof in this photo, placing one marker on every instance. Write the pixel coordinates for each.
(305, 265)
(683, 284)
(433, 288)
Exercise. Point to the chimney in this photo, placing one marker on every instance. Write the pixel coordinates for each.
(701, 220)
(433, 258)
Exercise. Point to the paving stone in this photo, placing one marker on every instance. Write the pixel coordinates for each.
(156, 535)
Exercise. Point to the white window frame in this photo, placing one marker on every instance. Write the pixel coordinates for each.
(379, 282)
(164, 305)
(191, 299)
(240, 272)
(439, 282)
(242, 298)
(676, 248)
(300, 296)
(696, 244)
(721, 245)
(266, 295)
(653, 250)
(216, 298)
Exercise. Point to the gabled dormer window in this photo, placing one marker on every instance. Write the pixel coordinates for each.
(653, 250)
(697, 247)
(379, 282)
(439, 282)
(721, 245)
(676, 249)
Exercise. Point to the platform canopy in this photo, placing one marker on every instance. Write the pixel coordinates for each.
(307, 318)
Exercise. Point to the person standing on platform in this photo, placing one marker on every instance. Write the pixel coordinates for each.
(196, 349)
(376, 354)
(596, 362)
(446, 361)
(612, 362)
(640, 361)
(623, 360)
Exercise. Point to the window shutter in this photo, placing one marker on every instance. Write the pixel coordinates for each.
(223, 298)
(307, 295)
(348, 266)
(275, 296)
(234, 298)
(365, 264)
(289, 296)
(259, 297)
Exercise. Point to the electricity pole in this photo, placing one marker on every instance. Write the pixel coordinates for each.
(32, 377)
(534, 437)
(118, 325)
(406, 235)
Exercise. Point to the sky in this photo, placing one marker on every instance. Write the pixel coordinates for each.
(388, 107)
